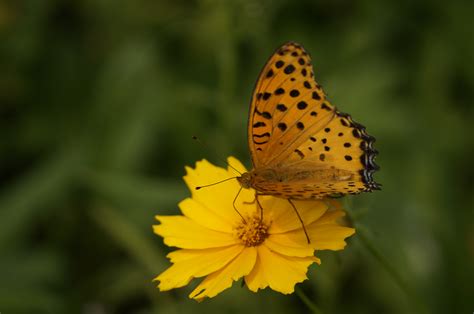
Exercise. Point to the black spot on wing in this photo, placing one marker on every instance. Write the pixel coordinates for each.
(316, 96)
(259, 124)
(260, 139)
(265, 114)
(300, 153)
(302, 105)
(290, 68)
(370, 153)
(326, 106)
(294, 93)
(282, 126)
(266, 134)
(279, 91)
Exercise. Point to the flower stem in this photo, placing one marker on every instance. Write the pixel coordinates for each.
(367, 243)
(306, 300)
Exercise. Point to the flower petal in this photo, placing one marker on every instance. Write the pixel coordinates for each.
(279, 272)
(218, 198)
(284, 217)
(189, 264)
(325, 234)
(286, 245)
(184, 233)
(331, 216)
(329, 237)
(328, 233)
(222, 279)
(205, 217)
(234, 162)
(323, 237)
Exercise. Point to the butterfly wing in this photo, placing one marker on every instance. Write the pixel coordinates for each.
(293, 129)
(337, 160)
(286, 103)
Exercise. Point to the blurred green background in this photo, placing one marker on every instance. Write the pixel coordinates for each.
(98, 103)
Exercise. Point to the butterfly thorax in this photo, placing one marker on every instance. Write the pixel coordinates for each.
(252, 178)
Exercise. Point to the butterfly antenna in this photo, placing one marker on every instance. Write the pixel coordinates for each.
(205, 186)
(221, 159)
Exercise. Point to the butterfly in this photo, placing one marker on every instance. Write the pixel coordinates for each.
(302, 147)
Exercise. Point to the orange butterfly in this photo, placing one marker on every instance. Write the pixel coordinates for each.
(302, 147)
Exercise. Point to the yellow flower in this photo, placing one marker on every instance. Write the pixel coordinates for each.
(214, 242)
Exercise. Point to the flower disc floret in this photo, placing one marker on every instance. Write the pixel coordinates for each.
(252, 231)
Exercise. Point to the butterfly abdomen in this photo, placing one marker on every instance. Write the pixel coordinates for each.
(302, 184)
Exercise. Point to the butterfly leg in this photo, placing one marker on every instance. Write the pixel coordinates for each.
(301, 220)
(260, 206)
(235, 207)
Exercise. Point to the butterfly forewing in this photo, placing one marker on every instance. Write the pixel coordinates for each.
(286, 100)
(311, 149)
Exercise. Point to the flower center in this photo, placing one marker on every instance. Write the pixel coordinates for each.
(253, 231)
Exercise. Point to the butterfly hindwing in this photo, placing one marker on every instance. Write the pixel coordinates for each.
(343, 145)
(337, 159)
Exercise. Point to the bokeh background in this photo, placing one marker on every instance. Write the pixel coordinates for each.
(98, 103)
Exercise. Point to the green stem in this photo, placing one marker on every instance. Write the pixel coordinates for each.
(368, 244)
(310, 304)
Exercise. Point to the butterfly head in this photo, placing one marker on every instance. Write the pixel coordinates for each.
(245, 180)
